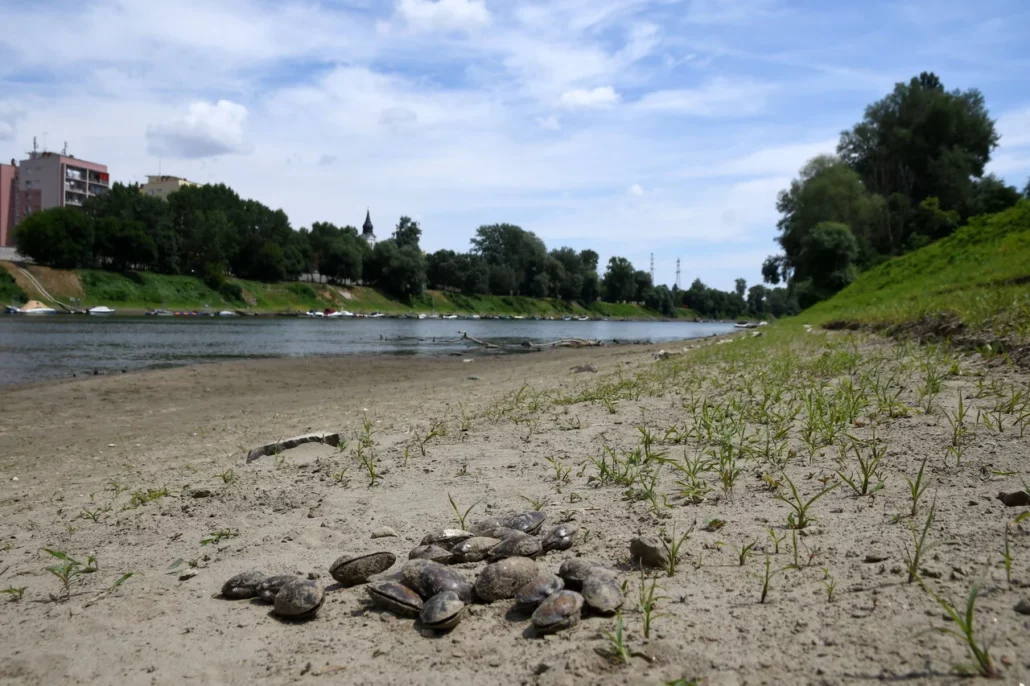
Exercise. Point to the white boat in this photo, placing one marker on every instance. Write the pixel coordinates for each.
(36, 307)
(422, 315)
(316, 313)
(100, 309)
(227, 313)
(450, 316)
(341, 313)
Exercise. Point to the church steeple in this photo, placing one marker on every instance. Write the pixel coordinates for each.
(366, 230)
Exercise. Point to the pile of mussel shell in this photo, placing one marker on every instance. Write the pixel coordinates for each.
(428, 589)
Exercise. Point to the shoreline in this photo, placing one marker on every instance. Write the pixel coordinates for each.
(143, 470)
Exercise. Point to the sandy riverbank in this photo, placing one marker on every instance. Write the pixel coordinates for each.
(70, 448)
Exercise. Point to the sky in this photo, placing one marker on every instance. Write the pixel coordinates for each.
(632, 127)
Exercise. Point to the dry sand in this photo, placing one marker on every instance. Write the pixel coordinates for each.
(71, 446)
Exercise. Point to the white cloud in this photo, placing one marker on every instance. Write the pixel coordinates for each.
(717, 98)
(443, 15)
(204, 130)
(635, 190)
(581, 98)
(9, 116)
(549, 123)
(1014, 127)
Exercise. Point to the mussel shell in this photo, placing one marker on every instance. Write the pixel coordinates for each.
(243, 585)
(539, 589)
(501, 580)
(299, 599)
(484, 525)
(577, 570)
(446, 537)
(351, 570)
(517, 546)
(501, 533)
(474, 549)
(428, 578)
(602, 594)
(431, 552)
(559, 611)
(560, 537)
(443, 611)
(395, 597)
(270, 587)
(529, 522)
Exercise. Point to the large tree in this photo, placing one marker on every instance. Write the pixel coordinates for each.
(922, 141)
(619, 284)
(60, 237)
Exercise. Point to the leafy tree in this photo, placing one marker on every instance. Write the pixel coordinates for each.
(591, 289)
(125, 242)
(930, 222)
(619, 284)
(1026, 189)
(922, 141)
(660, 300)
(408, 233)
(501, 279)
(740, 286)
(756, 300)
(642, 286)
(398, 270)
(511, 246)
(60, 237)
(588, 258)
(827, 262)
(990, 195)
(828, 190)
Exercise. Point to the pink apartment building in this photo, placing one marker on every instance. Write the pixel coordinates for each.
(45, 180)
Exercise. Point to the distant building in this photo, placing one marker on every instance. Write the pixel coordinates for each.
(8, 172)
(163, 186)
(367, 231)
(43, 181)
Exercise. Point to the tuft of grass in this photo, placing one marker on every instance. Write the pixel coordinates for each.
(537, 503)
(616, 650)
(914, 553)
(916, 488)
(799, 517)
(228, 476)
(672, 548)
(966, 630)
(216, 537)
(458, 514)
(67, 570)
(14, 594)
(647, 601)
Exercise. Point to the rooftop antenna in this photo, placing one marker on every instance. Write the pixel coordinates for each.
(652, 268)
(678, 286)
(35, 146)
(64, 150)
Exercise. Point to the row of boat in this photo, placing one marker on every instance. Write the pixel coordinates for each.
(34, 307)
(336, 314)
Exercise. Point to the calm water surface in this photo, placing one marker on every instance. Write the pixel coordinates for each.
(40, 348)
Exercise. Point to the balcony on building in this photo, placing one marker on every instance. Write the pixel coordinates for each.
(99, 178)
(74, 199)
(97, 189)
(75, 173)
(73, 185)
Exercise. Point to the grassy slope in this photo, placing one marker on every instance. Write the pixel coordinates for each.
(980, 275)
(147, 290)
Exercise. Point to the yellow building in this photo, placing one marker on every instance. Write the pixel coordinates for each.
(163, 186)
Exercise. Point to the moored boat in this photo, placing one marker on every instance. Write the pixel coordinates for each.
(100, 310)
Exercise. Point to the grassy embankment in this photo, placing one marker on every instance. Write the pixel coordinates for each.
(976, 280)
(143, 290)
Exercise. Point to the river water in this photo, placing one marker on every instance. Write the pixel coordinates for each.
(55, 347)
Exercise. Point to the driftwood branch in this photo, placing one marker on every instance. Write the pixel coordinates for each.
(466, 337)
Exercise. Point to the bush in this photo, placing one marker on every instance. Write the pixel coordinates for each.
(231, 292)
(302, 290)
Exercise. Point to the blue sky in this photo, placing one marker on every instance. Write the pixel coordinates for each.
(628, 126)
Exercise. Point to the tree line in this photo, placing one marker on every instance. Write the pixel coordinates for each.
(911, 172)
(210, 232)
